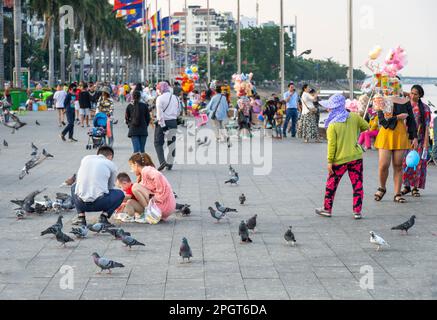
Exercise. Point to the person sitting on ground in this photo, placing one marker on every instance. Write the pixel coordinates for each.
(151, 184)
(126, 212)
(94, 189)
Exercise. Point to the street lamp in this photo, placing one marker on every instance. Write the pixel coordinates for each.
(306, 52)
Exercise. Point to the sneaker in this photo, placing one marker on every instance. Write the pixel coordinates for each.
(63, 123)
(323, 213)
(358, 216)
(79, 221)
(104, 220)
(72, 140)
(62, 137)
(162, 166)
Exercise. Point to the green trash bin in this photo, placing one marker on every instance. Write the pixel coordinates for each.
(19, 99)
(37, 94)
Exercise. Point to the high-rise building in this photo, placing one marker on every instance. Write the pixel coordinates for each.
(247, 22)
(197, 26)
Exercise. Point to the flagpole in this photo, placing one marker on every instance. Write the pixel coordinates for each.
(351, 50)
(238, 38)
(156, 43)
(282, 49)
(170, 42)
(144, 43)
(146, 32)
(186, 34)
(209, 45)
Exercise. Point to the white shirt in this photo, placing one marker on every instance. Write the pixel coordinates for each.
(171, 112)
(307, 103)
(96, 176)
(59, 97)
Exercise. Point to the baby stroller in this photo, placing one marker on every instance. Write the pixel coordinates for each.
(97, 134)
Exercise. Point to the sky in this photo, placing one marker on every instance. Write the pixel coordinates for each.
(322, 27)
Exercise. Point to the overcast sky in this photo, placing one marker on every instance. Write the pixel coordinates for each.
(322, 26)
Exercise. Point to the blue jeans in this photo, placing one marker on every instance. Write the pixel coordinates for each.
(139, 143)
(291, 114)
(70, 126)
(107, 203)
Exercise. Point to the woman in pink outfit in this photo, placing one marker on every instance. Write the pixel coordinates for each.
(151, 183)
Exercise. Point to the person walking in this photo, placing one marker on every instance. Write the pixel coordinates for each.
(95, 190)
(70, 111)
(291, 97)
(85, 106)
(310, 129)
(59, 99)
(167, 112)
(138, 118)
(414, 180)
(344, 153)
(218, 112)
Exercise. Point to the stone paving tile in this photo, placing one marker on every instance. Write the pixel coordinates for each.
(325, 264)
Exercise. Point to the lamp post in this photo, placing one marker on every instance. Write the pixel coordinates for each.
(208, 44)
(351, 50)
(282, 49)
(238, 38)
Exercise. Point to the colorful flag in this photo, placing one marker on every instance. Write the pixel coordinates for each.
(127, 4)
(124, 13)
(176, 27)
(155, 20)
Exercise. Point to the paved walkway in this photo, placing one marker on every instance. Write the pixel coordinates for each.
(326, 263)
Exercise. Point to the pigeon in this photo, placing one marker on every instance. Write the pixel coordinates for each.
(406, 225)
(289, 236)
(54, 228)
(62, 196)
(32, 163)
(216, 214)
(377, 240)
(46, 154)
(105, 264)
(20, 214)
(80, 232)
(40, 208)
(231, 171)
(97, 227)
(251, 223)
(223, 209)
(185, 250)
(116, 233)
(183, 208)
(62, 237)
(15, 124)
(70, 181)
(5, 143)
(28, 201)
(234, 179)
(48, 203)
(130, 242)
(34, 150)
(243, 232)
(242, 199)
(37, 123)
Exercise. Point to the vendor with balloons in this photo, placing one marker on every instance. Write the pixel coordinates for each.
(415, 177)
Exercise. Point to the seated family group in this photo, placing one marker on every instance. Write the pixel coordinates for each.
(148, 200)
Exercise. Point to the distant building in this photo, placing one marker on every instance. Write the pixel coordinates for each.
(197, 26)
(269, 24)
(247, 22)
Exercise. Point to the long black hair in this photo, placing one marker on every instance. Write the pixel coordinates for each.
(304, 87)
(421, 92)
(136, 108)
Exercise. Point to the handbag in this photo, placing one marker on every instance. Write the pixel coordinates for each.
(153, 214)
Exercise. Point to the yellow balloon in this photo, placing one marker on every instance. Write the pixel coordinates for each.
(194, 69)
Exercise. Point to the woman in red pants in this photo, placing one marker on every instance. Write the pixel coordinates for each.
(344, 153)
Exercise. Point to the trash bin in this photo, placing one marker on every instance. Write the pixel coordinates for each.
(19, 99)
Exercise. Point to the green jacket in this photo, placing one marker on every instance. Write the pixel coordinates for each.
(343, 144)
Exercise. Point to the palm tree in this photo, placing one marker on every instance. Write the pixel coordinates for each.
(2, 48)
(17, 42)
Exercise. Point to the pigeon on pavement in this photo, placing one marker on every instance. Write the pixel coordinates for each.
(406, 225)
(223, 209)
(243, 232)
(5, 143)
(62, 237)
(37, 123)
(80, 232)
(105, 264)
(251, 223)
(242, 199)
(377, 240)
(216, 214)
(185, 250)
(54, 228)
(28, 201)
(234, 179)
(116, 233)
(97, 227)
(130, 242)
(183, 208)
(289, 236)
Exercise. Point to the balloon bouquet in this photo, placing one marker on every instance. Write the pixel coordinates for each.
(243, 84)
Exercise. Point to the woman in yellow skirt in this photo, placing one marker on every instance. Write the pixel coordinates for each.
(397, 134)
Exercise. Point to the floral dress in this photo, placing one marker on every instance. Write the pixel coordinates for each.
(417, 178)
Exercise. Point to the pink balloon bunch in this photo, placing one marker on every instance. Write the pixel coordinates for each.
(396, 60)
(242, 84)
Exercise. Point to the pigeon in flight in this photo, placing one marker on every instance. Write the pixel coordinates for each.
(62, 237)
(251, 223)
(377, 240)
(223, 209)
(242, 199)
(216, 214)
(46, 154)
(5, 143)
(185, 250)
(243, 232)
(34, 150)
(234, 179)
(15, 124)
(130, 242)
(54, 228)
(406, 225)
(80, 232)
(105, 264)
(289, 236)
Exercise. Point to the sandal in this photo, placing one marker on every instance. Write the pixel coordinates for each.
(398, 198)
(406, 191)
(380, 194)
(416, 193)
